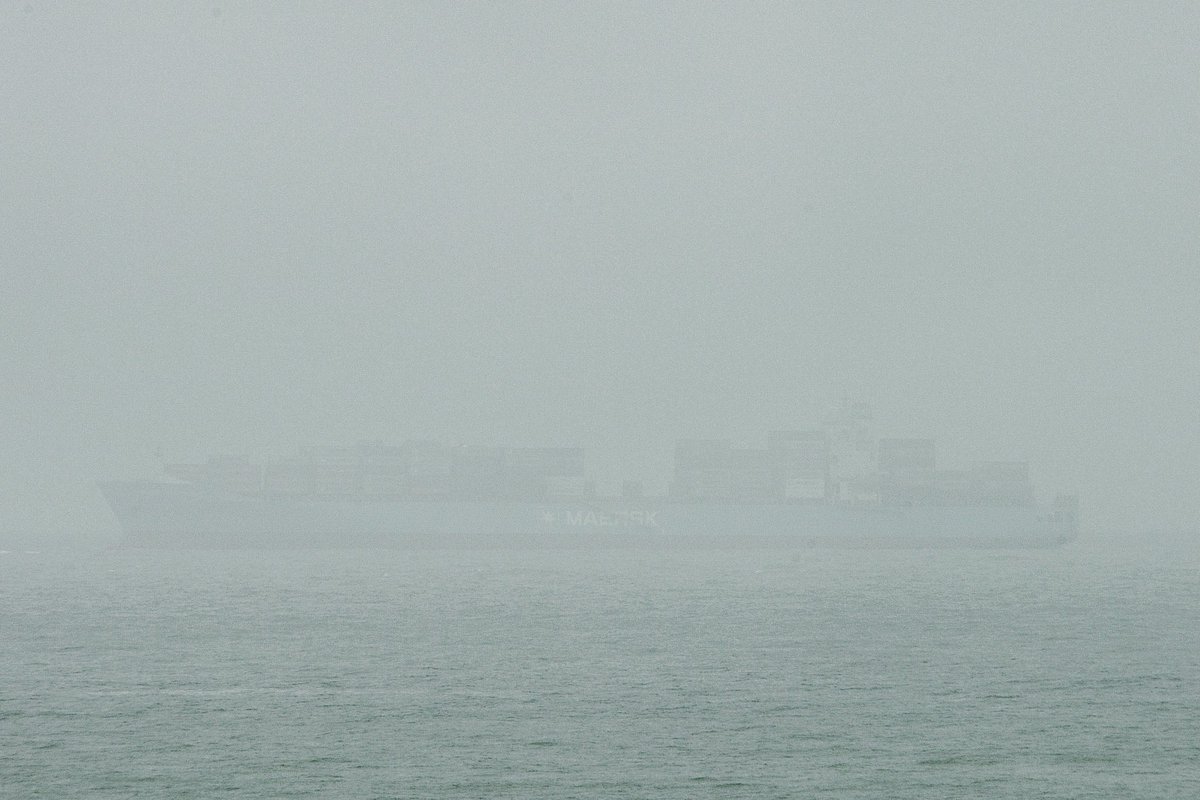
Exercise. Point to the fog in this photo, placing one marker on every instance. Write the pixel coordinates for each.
(249, 229)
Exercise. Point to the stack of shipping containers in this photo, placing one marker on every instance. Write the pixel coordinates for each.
(842, 463)
(853, 455)
(800, 460)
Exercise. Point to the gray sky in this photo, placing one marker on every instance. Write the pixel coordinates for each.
(605, 224)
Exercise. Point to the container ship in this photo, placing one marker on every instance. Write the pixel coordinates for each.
(835, 485)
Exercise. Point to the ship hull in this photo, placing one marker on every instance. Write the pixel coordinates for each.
(179, 515)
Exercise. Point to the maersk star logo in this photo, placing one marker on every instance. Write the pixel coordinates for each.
(548, 518)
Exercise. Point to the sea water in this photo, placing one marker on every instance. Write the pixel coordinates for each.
(809, 673)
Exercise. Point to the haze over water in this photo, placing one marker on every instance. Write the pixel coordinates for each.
(252, 228)
(1068, 673)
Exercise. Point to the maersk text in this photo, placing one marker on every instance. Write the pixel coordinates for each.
(623, 519)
